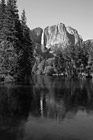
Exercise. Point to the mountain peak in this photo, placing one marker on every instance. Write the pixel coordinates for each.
(56, 36)
(60, 36)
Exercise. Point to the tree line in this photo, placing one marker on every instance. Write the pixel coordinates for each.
(16, 49)
(75, 61)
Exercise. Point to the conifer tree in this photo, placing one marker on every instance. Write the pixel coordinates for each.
(16, 52)
(8, 45)
(26, 55)
(11, 19)
(2, 18)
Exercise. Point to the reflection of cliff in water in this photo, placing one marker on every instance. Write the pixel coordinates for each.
(48, 97)
(59, 97)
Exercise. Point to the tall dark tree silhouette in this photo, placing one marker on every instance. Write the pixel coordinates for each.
(9, 38)
(26, 53)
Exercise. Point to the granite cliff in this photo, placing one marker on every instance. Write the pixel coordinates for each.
(56, 36)
(60, 36)
(51, 40)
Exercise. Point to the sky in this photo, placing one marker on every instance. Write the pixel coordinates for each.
(75, 13)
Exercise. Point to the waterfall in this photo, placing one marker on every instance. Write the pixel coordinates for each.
(42, 39)
(42, 42)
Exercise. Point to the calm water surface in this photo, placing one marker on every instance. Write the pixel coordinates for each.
(48, 109)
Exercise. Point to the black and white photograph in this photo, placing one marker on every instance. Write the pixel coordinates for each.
(46, 69)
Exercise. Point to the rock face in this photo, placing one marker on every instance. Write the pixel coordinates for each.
(46, 44)
(58, 36)
(36, 35)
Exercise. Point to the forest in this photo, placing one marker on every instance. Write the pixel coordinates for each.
(16, 51)
(71, 62)
(76, 61)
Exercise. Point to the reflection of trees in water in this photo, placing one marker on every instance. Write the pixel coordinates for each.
(14, 101)
(77, 95)
(50, 97)
(14, 109)
(60, 96)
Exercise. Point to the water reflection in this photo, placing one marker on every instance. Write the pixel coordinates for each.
(59, 96)
(50, 108)
(14, 110)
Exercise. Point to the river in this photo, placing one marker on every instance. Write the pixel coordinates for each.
(49, 108)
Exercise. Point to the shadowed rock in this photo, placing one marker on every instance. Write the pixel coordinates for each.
(36, 35)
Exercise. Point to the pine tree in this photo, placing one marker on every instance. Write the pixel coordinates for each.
(26, 55)
(2, 19)
(10, 38)
(23, 18)
(16, 52)
(25, 29)
(11, 21)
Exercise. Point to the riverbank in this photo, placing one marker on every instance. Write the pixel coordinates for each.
(8, 79)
